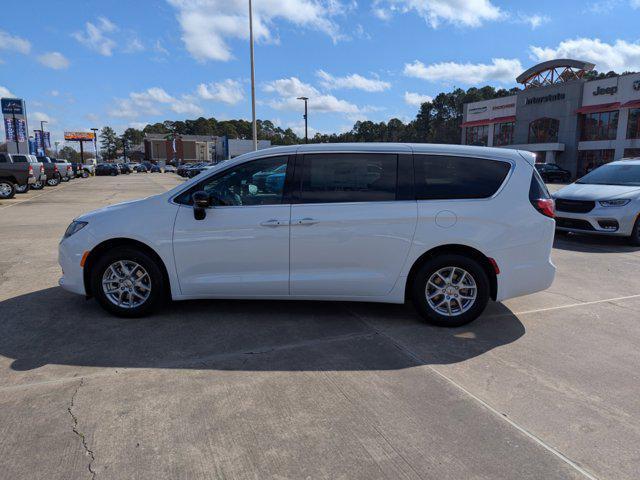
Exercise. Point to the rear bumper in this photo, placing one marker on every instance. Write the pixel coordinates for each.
(31, 180)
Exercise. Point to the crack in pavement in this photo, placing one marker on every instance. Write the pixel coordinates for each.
(80, 434)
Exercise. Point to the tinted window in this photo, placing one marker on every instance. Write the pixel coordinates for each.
(20, 159)
(259, 182)
(3, 159)
(619, 174)
(349, 177)
(444, 177)
(537, 189)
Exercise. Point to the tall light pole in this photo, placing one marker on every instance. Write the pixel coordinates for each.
(253, 80)
(57, 143)
(305, 116)
(95, 142)
(44, 149)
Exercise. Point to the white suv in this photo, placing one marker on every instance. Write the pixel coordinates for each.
(448, 227)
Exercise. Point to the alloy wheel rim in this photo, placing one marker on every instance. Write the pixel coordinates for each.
(5, 189)
(126, 284)
(451, 291)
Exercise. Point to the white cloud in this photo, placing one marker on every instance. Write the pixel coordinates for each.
(533, 20)
(153, 101)
(353, 81)
(40, 117)
(5, 93)
(619, 56)
(54, 93)
(467, 13)
(500, 70)
(208, 25)
(134, 45)
(634, 3)
(228, 91)
(291, 88)
(416, 99)
(54, 60)
(95, 36)
(13, 43)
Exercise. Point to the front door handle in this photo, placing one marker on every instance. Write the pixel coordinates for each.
(307, 221)
(272, 223)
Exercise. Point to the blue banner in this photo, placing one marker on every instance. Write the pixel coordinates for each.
(10, 132)
(21, 130)
(38, 137)
(12, 106)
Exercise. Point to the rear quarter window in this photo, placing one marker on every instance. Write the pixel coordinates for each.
(442, 177)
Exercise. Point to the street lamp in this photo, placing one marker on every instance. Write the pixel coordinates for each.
(95, 142)
(306, 134)
(253, 79)
(44, 148)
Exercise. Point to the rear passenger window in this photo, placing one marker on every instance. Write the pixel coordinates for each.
(349, 177)
(3, 159)
(20, 159)
(440, 177)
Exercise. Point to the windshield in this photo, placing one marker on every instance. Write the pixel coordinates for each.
(619, 174)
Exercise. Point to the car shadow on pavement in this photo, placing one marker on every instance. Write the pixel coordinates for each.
(577, 242)
(52, 326)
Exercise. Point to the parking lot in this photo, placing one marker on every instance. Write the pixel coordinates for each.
(541, 387)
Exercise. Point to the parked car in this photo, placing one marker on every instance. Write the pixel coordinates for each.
(605, 201)
(125, 168)
(51, 169)
(90, 168)
(196, 169)
(448, 227)
(140, 168)
(550, 172)
(64, 168)
(260, 178)
(16, 171)
(170, 169)
(183, 170)
(110, 169)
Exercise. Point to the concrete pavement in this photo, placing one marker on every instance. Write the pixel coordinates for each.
(543, 387)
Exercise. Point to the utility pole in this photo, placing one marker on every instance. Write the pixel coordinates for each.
(253, 79)
(124, 148)
(305, 116)
(57, 143)
(95, 142)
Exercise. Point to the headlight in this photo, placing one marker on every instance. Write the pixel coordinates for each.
(614, 203)
(74, 228)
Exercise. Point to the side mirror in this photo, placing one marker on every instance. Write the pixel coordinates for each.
(200, 204)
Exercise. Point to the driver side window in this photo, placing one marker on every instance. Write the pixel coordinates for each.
(259, 182)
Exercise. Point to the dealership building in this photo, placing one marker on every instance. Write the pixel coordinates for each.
(561, 117)
(196, 148)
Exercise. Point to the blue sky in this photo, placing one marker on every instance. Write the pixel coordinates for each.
(82, 64)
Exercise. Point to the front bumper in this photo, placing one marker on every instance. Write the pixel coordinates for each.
(70, 252)
(617, 221)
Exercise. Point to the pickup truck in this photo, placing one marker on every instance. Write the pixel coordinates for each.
(15, 171)
(51, 169)
(65, 169)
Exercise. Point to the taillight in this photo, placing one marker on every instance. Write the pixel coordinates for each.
(546, 206)
(55, 168)
(41, 168)
(69, 169)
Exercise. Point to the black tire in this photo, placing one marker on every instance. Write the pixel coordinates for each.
(53, 182)
(634, 239)
(419, 287)
(7, 189)
(38, 185)
(85, 174)
(22, 188)
(156, 296)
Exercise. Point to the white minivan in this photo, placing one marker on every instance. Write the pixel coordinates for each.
(447, 227)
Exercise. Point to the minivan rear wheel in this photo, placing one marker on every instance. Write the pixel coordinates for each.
(127, 282)
(634, 239)
(450, 290)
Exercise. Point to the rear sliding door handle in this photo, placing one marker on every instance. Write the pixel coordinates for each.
(306, 221)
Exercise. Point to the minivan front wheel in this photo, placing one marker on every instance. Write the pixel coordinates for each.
(450, 290)
(127, 283)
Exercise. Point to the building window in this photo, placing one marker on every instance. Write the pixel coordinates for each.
(478, 135)
(544, 130)
(632, 153)
(589, 160)
(599, 126)
(503, 133)
(633, 127)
